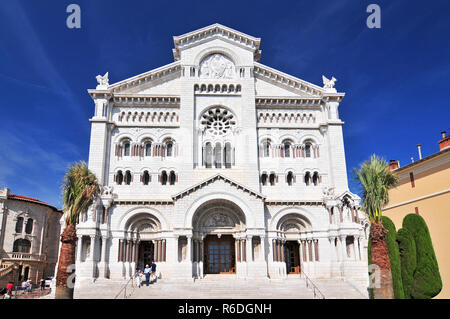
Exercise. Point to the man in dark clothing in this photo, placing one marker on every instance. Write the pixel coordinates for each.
(153, 274)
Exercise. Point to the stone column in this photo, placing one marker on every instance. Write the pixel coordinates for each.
(343, 247)
(79, 248)
(164, 250)
(189, 249)
(103, 264)
(92, 248)
(358, 252)
(249, 249)
(238, 250)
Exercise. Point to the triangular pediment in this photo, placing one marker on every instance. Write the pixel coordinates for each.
(216, 31)
(213, 179)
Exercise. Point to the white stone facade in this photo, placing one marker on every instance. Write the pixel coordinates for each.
(217, 146)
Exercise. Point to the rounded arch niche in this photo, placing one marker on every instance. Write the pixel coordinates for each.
(218, 217)
(217, 66)
(292, 225)
(144, 226)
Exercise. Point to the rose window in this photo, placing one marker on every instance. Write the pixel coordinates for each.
(218, 121)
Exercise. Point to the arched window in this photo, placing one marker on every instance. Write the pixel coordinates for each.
(22, 246)
(29, 226)
(146, 178)
(169, 149)
(308, 149)
(307, 178)
(19, 224)
(272, 179)
(163, 178)
(266, 148)
(287, 148)
(218, 155)
(315, 178)
(119, 178)
(290, 178)
(227, 155)
(208, 155)
(264, 179)
(172, 178)
(128, 178)
(148, 148)
(126, 148)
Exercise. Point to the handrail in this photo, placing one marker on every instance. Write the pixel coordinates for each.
(316, 291)
(124, 288)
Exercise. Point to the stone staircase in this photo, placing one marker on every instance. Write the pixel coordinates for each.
(220, 287)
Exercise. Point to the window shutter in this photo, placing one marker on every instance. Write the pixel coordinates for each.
(318, 155)
(295, 179)
(159, 178)
(176, 178)
(276, 178)
(115, 177)
(320, 179)
(141, 178)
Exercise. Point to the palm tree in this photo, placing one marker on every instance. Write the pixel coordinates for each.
(376, 179)
(79, 189)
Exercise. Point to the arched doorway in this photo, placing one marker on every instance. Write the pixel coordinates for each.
(218, 226)
(290, 229)
(144, 233)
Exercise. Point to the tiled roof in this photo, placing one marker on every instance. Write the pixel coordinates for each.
(32, 200)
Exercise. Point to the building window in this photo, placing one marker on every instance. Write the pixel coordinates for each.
(218, 155)
(287, 148)
(264, 179)
(146, 178)
(119, 178)
(148, 148)
(411, 178)
(315, 178)
(227, 155)
(208, 155)
(307, 178)
(126, 149)
(128, 178)
(169, 149)
(272, 179)
(290, 178)
(172, 178)
(19, 224)
(22, 246)
(308, 149)
(29, 226)
(266, 148)
(163, 178)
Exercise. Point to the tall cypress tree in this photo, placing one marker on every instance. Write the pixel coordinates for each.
(427, 281)
(407, 249)
(394, 257)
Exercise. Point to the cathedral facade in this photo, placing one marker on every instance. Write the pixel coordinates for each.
(218, 164)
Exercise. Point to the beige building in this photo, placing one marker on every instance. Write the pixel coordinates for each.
(424, 189)
(29, 238)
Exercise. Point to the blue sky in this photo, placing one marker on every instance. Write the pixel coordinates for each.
(396, 78)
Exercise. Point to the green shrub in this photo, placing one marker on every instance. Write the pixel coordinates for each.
(407, 249)
(394, 257)
(427, 281)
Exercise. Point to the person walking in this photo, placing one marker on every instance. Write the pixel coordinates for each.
(153, 274)
(29, 286)
(24, 286)
(42, 284)
(147, 272)
(138, 278)
(9, 286)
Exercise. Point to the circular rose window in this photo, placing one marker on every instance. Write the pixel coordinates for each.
(218, 121)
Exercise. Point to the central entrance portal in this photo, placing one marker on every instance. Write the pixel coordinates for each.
(219, 255)
(146, 254)
(291, 253)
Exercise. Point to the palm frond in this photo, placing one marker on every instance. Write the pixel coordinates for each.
(376, 179)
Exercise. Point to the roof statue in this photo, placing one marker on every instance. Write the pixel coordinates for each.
(328, 84)
(103, 81)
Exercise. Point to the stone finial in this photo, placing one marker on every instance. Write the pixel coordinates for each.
(103, 81)
(4, 193)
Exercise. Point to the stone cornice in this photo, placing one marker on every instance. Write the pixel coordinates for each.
(143, 202)
(216, 30)
(287, 102)
(143, 78)
(303, 202)
(146, 100)
(263, 71)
